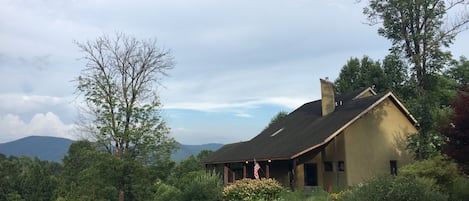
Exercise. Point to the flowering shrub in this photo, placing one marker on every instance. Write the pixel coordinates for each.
(339, 195)
(250, 190)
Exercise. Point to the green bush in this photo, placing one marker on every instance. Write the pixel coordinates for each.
(438, 169)
(459, 190)
(201, 186)
(389, 188)
(253, 190)
(165, 192)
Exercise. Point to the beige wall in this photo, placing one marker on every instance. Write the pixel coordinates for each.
(366, 147)
(375, 139)
(334, 152)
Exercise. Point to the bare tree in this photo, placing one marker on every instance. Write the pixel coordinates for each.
(119, 85)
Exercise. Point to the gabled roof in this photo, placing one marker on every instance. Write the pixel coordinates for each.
(303, 130)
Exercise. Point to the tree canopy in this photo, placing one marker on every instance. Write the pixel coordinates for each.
(119, 85)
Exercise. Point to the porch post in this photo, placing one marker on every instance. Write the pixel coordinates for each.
(267, 171)
(293, 175)
(244, 170)
(336, 163)
(225, 174)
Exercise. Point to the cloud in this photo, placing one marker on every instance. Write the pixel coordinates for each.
(26, 106)
(243, 104)
(12, 127)
(244, 115)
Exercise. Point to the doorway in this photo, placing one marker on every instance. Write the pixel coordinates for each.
(311, 174)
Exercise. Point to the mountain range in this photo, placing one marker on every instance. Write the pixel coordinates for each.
(54, 148)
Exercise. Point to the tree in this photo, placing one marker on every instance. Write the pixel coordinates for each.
(460, 72)
(277, 118)
(418, 32)
(360, 73)
(390, 75)
(457, 131)
(119, 84)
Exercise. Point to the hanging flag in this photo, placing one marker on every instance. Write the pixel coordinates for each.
(256, 169)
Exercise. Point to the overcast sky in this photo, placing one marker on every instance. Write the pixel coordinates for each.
(238, 62)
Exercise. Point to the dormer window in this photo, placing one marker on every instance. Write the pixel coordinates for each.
(276, 132)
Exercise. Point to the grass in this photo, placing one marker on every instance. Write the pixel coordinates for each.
(315, 195)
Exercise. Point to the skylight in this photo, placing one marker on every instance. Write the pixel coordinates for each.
(277, 132)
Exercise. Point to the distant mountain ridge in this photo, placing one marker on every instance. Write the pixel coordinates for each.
(54, 148)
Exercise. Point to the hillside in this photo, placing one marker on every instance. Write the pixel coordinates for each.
(54, 149)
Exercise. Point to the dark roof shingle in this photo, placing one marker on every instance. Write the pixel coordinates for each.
(298, 131)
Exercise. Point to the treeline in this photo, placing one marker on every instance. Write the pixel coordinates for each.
(88, 173)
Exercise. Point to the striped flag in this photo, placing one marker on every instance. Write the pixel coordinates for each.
(256, 169)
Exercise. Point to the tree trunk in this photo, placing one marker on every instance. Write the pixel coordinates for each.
(121, 195)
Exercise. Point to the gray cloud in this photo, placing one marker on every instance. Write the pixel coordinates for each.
(226, 51)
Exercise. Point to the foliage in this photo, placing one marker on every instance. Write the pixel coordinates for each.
(277, 118)
(24, 178)
(439, 169)
(119, 86)
(392, 188)
(253, 189)
(88, 174)
(303, 196)
(165, 192)
(201, 186)
(431, 147)
(360, 73)
(459, 190)
(460, 72)
(418, 32)
(456, 130)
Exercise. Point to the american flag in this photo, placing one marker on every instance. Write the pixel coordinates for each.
(256, 170)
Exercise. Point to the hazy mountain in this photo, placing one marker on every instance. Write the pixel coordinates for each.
(53, 148)
(45, 148)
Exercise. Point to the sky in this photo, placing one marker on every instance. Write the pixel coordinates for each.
(238, 62)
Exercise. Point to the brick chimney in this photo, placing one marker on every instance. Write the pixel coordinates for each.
(327, 97)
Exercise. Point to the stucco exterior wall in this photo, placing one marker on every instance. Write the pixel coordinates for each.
(334, 152)
(374, 140)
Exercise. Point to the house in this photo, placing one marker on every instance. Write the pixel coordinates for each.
(337, 141)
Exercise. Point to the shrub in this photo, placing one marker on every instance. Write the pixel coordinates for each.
(459, 190)
(165, 192)
(438, 169)
(389, 188)
(201, 186)
(250, 190)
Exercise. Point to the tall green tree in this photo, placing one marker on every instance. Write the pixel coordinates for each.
(360, 73)
(460, 72)
(388, 75)
(418, 32)
(119, 85)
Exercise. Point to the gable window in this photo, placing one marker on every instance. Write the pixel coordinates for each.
(393, 166)
(341, 166)
(328, 166)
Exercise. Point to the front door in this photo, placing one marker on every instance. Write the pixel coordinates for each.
(311, 174)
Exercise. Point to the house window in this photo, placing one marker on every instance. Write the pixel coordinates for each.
(341, 166)
(393, 166)
(328, 166)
